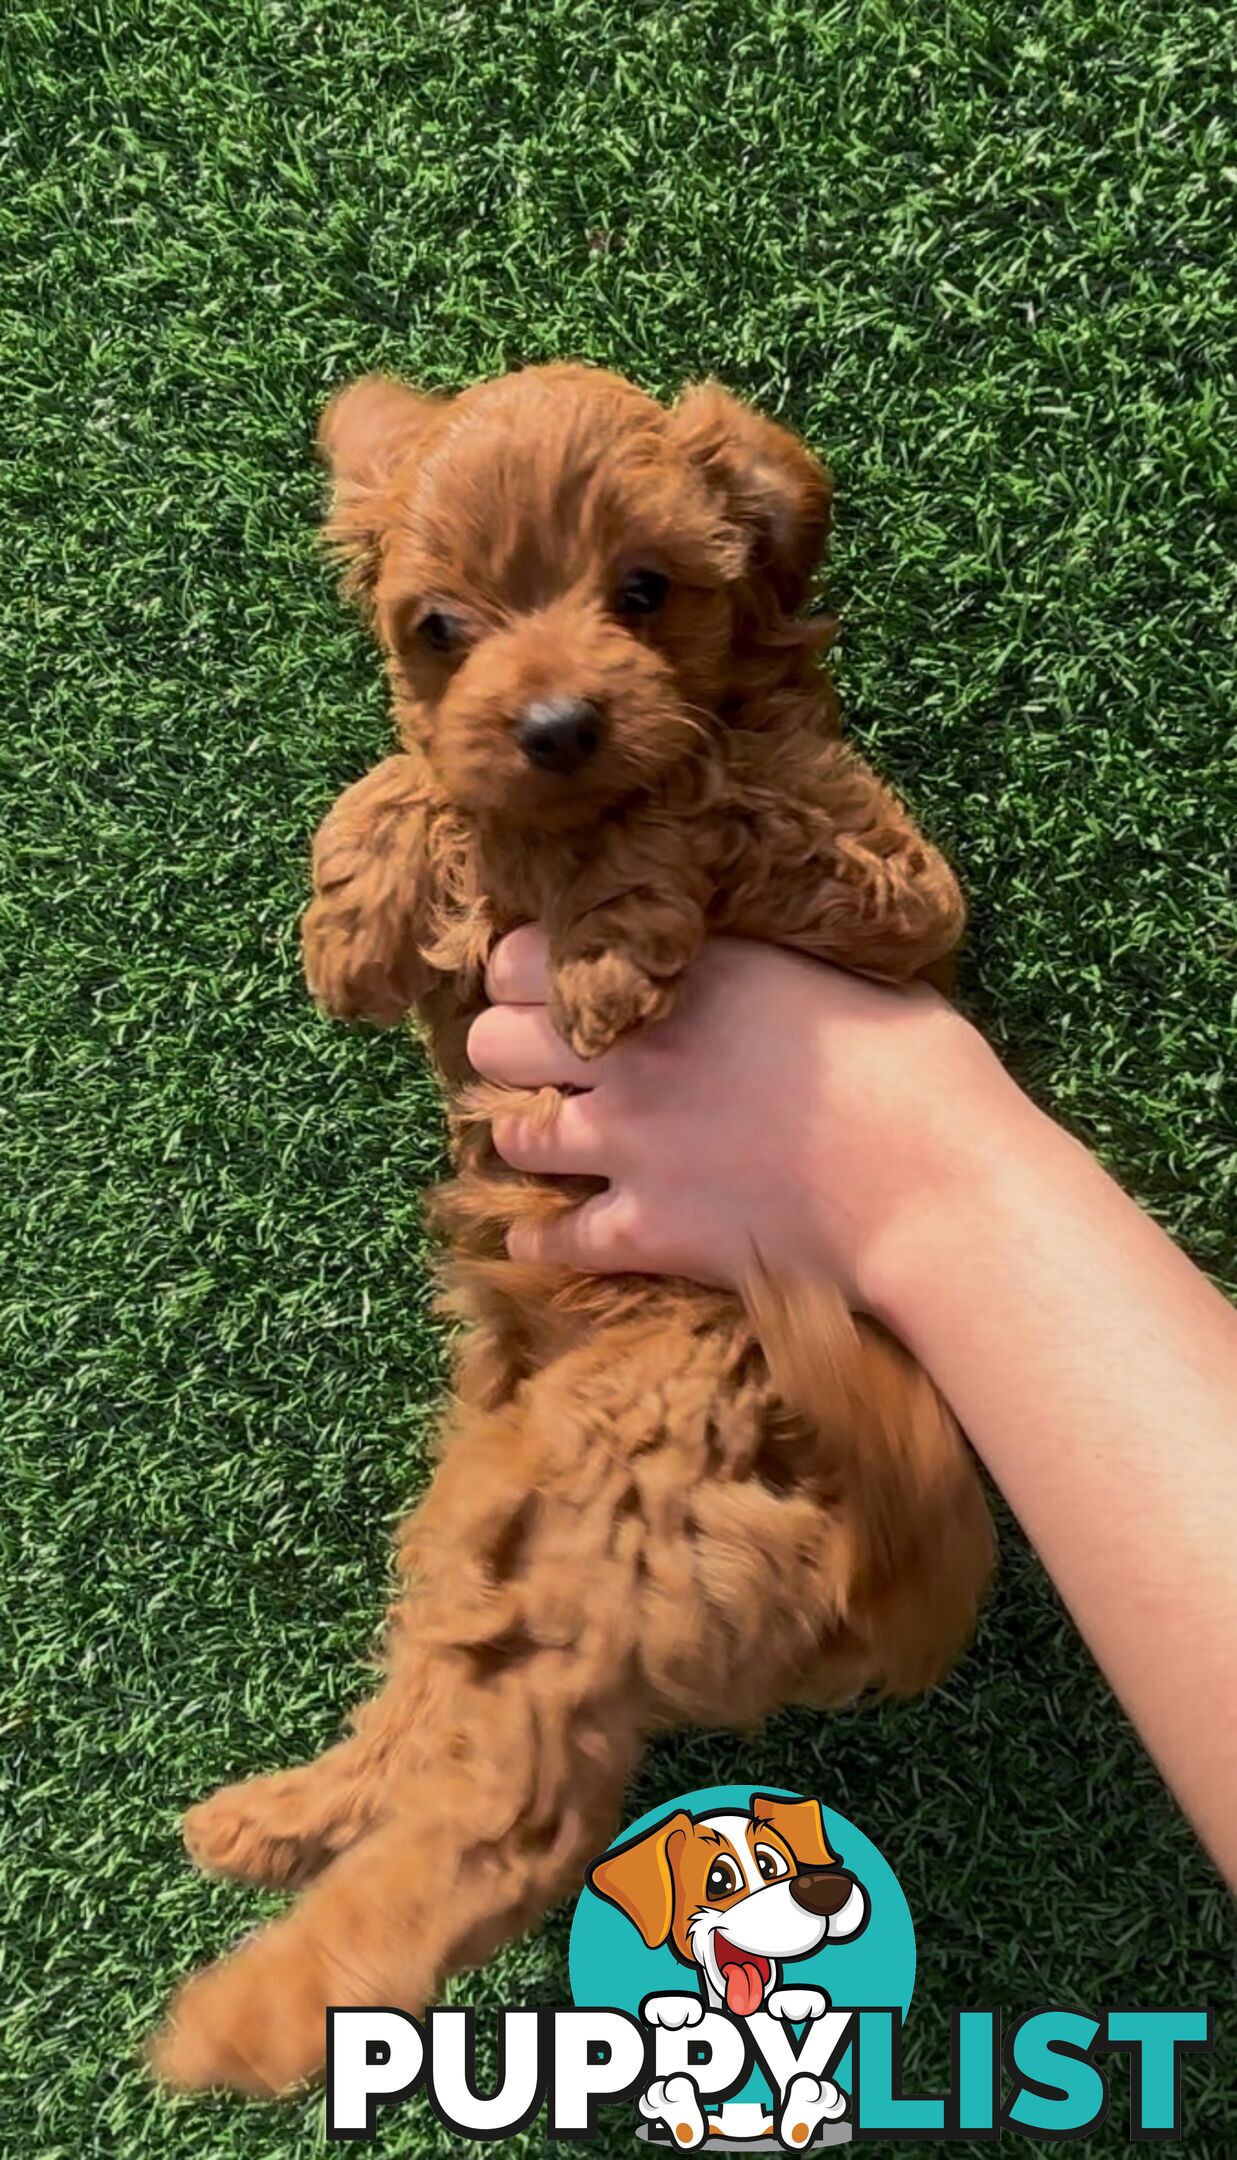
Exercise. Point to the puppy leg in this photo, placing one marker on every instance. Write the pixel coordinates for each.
(847, 878)
(622, 936)
(515, 1718)
(640, 1537)
(359, 933)
(465, 1861)
(283, 1829)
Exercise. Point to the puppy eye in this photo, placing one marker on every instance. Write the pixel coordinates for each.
(642, 592)
(722, 1878)
(440, 632)
(772, 1864)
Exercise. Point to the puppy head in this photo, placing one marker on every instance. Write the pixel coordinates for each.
(564, 575)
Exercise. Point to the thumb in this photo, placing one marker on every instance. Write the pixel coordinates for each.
(596, 1238)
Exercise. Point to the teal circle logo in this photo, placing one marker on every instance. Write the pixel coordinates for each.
(612, 1964)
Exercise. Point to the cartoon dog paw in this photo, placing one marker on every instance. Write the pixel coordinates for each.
(676, 2102)
(794, 2005)
(672, 2012)
(809, 2102)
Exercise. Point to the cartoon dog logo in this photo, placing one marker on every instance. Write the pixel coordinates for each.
(737, 1896)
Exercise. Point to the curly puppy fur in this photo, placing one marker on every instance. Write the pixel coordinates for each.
(656, 1504)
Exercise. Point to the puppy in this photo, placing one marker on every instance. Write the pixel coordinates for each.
(737, 1896)
(656, 1504)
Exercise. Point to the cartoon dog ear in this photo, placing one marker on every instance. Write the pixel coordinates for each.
(801, 1823)
(772, 488)
(366, 433)
(639, 1877)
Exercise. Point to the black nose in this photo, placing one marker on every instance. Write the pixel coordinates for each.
(559, 734)
(822, 1892)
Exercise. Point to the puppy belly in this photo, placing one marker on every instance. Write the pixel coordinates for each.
(652, 1484)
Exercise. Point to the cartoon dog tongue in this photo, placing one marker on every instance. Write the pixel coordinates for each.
(744, 1988)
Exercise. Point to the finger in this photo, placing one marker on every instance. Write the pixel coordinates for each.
(563, 1143)
(517, 1044)
(519, 967)
(595, 1238)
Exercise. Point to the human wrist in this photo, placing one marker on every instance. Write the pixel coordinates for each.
(983, 1165)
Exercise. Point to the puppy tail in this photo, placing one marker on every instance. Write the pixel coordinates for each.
(891, 1454)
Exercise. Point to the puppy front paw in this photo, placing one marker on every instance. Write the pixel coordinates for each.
(593, 1002)
(354, 971)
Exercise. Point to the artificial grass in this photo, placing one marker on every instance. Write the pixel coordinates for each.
(979, 254)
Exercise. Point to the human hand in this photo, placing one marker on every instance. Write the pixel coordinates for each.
(783, 1108)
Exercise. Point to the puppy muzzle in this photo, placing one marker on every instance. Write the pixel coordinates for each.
(560, 734)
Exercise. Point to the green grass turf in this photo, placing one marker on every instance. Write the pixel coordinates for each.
(979, 254)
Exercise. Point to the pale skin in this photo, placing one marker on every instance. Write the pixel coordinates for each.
(870, 1135)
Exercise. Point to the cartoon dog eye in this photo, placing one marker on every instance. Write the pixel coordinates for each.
(772, 1864)
(723, 1879)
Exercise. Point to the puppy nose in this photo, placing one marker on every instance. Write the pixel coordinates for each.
(822, 1893)
(559, 734)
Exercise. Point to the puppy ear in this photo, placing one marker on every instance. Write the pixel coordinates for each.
(801, 1823)
(368, 431)
(772, 488)
(639, 1877)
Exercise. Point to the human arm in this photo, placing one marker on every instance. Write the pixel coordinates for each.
(870, 1135)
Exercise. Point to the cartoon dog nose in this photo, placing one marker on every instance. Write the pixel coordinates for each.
(559, 734)
(822, 1892)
